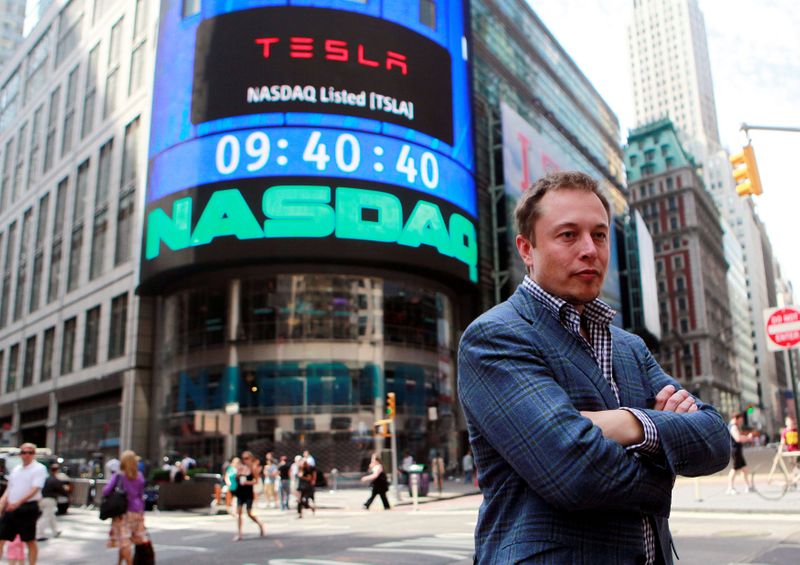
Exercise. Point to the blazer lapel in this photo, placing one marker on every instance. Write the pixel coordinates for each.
(564, 342)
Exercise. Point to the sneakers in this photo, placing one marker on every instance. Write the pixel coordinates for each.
(731, 491)
(747, 489)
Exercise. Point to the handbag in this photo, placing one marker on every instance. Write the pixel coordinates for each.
(115, 504)
(144, 554)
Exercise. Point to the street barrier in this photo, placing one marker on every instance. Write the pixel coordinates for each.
(82, 492)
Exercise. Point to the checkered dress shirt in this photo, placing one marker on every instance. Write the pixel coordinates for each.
(596, 318)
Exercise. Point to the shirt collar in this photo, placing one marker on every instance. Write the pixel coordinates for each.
(596, 311)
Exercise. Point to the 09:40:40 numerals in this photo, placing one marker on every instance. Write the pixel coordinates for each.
(344, 153)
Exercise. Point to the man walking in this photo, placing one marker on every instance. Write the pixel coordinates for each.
(53, 489)
(576, 431)
(20, 502)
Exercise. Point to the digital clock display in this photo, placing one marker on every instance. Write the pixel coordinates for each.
(349, 121)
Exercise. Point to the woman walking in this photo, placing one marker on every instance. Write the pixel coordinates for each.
(128, 528)
(306, 481)
(379, 482)
(249, 472)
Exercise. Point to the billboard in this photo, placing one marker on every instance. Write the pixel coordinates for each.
(328, 130)
(528, 156)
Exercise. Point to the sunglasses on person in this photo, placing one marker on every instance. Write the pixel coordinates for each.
(26, 452)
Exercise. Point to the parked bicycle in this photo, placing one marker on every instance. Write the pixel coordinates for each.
(773, 479)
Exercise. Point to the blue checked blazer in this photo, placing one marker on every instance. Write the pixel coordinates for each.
(555, 491)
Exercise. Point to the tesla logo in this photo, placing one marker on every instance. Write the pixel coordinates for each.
(334, 50)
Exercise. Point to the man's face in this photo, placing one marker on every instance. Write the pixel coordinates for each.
(570, 256)
(27, 454)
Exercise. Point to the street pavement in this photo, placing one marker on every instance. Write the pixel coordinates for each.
(709, 526)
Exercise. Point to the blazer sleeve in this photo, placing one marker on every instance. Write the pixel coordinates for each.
(511, 400)
(692, 444)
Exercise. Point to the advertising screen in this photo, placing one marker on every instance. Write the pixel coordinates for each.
(330, 130)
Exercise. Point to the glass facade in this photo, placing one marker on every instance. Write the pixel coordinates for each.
(316, 354)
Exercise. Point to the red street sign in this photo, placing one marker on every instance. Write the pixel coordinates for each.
(783, 328)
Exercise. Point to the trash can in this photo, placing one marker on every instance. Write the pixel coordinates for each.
(423, 480)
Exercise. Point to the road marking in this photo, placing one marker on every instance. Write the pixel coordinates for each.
(199, 536)
(161, 547)
(453, 555)
(738, 516)
(309, 562)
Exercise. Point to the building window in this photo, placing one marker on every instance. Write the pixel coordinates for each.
(19, 291)
(90, 93)
(633, 160)
(96, 261)
(30, 357)
(677, 261)
(679, 284)
(48, 349)
(130, 156)
(70, 23)
(684, 325)
(104, 174)
(119, 321)
(81, 189)
(68, 346)
(61, 207)
(427, 13)
(91, 337)
(17, 187)
(69, 112)
(5, 184)
(112, 77)
(13, 360)
(33, 158)
(122, 249)
(670, 183)
(673, 223)
(74, 268)
(54, 281)
(138, 52)
(681, 304)
(8, 266)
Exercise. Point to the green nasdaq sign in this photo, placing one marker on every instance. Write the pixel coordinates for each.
(313, 211)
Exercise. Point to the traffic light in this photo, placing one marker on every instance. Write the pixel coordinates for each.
(750, 409)
(391, 407)
(745, 172)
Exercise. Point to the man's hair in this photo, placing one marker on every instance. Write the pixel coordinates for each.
(528, 210)
(28, 444)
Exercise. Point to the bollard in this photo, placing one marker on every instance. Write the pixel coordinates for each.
(697, 496)
(415, 490)
(334, 478)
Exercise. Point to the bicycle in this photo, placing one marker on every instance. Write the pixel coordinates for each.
(775, 483)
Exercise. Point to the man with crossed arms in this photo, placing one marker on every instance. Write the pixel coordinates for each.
(576, 431)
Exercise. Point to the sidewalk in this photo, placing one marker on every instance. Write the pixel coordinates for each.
(707, 494)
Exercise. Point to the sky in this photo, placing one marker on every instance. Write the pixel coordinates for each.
(754, 47)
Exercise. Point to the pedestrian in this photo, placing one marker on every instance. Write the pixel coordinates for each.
(309, 458)
(271, 480)
(19, 504)
(378, 481)
(247, 476)
(437, 468)
(467, 464)
(738, 439)
(16, 551)
(53, 489)
(128, 529)
(576, 431)
(294, 471)
(284, 482)
(789, 437)
(306, 483)
(230, 477)
(110, 467)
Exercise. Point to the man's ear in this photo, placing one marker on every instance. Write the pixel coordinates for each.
(525, 250)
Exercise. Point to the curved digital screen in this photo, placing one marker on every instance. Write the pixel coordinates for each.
(332, 131)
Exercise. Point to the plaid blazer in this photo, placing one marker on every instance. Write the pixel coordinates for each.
(554, 489)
